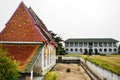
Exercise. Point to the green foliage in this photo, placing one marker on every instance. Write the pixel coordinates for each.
(51, 76)
(8, 68)
(59, 50)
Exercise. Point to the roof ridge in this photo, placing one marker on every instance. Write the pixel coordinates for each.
(37, 20)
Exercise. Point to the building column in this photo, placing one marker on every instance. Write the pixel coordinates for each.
(31, 75)
(50, 53)
(45, 55)
(53, 53)
(48, 56)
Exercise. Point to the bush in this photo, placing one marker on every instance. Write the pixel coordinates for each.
(8, 68)
(51, 76)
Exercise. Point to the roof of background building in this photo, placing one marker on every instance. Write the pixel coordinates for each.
(91, 40)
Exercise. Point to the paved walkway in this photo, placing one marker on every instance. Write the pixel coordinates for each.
(77, 72)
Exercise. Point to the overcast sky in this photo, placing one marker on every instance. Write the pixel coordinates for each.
(71, 18)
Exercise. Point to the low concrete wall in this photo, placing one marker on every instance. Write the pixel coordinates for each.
(102, 73)
(75, 60)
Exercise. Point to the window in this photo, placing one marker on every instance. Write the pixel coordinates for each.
(67, 44)
(81, 44)
(110, 44)
(71, 44)
(100, 44)
(85, 51)
(105, 44)
(114, 45)
(67, 49)
(85, 44)
(71, 50)
(105, 50)
(100, 50)
(90, 51)
(81, 50)
(115, 50)
(96, 51)
(110, 50)
(95, 44)
(90, 45)
(76, 50)
(76, 44)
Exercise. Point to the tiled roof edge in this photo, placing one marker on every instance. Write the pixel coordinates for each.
(90, 39)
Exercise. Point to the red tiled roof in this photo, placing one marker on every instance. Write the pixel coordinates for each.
(21, 53)
(42, 27)
(25, 25)
(21, 27)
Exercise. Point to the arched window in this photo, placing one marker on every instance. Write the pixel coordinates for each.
(67, 49)
(81, 50)
(76, 49)
(105, 50)
(85, 51)
(110, 50)
(71, 50)
(115, 50)
(100, 50)
(96, 51)
(90, 50)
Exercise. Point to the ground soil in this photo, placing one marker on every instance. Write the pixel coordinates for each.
(76, 72)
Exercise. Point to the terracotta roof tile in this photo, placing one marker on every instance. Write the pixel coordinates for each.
(25, 25)
(21, 27)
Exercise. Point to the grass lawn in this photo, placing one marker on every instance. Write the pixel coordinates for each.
(109, 62)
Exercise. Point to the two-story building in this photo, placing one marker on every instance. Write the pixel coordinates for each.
(95, 45)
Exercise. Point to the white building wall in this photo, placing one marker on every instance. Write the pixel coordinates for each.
(47, 63)
(93, 48)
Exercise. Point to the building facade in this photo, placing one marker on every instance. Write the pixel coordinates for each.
(95, 45)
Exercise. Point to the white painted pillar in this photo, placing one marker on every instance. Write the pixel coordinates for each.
(31, 75)
(46, 55)
(52, 54)
(42, 59)
(49, 54)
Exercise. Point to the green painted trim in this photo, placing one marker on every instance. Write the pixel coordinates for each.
(31, 64)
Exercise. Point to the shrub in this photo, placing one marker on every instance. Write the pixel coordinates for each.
(51, 75)
(8, 68)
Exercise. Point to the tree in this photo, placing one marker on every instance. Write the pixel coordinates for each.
(8, 68)
(59, 50)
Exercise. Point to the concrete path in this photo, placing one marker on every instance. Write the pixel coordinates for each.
(76, 72)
